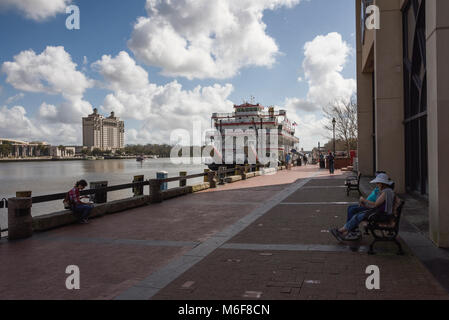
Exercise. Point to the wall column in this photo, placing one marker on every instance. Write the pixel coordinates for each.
(364, 106)
(389, 93)
(437, 41)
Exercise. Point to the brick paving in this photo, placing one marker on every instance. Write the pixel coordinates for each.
(263, 238)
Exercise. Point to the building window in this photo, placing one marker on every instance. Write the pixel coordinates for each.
(365, 4)
(415, 96)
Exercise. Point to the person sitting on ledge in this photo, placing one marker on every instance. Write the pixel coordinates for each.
(383, 205)
(81, 208)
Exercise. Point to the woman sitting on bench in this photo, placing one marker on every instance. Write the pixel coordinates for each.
(383, 204)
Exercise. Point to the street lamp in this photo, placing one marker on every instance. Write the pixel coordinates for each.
(333, 125)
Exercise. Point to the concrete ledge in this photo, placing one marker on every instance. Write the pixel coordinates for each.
(176, 192)
(200, 187)
(232, 179)
(250, 175)
(65, 217)
(268, 170)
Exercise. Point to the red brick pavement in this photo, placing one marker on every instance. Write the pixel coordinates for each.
(117, 252)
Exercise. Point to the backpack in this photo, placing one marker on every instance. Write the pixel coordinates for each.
(67, 203)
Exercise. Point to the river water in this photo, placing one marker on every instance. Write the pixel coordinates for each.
(48, 177)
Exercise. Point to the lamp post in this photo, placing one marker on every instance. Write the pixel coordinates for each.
(333, 125)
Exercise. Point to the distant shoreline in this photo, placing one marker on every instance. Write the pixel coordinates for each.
(41, 159)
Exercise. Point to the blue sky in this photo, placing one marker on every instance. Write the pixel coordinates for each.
(106, 29)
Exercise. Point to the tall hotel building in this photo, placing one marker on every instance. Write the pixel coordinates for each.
(403, 101)
(103, 133)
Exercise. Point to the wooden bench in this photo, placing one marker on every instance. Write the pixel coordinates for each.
(385, 230)
(353, 183)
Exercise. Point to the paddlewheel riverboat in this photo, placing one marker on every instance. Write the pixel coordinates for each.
(260, 120)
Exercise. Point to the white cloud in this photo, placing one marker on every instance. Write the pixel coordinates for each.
(297, 104)
(15, 124)
(37, 10)
(121, 72)
(163, 108)
(324, 60)
(204, 38)
(15, 98)
(51, 72)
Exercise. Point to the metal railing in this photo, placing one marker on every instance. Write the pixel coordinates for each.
(155, 185)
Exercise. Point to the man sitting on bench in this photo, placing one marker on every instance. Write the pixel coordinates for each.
(384, 204)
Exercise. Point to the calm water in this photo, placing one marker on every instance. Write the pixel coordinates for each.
(49, 177)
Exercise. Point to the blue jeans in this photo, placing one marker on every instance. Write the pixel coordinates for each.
(356, 218)
(353, 210)
(83, 210)
(331, 167)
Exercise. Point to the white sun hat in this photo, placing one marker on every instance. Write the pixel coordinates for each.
(383, 178)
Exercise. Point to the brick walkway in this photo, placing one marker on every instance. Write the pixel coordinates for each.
(263, 238)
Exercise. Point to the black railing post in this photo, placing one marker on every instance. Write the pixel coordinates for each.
(155, 191)
(100, 196)
(138, 190)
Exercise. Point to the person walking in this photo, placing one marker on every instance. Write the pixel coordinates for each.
(331, 161)
(287, 161)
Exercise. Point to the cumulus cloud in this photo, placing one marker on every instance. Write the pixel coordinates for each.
(122, 72)
(297, 104)
(325, 57)
(37, 10)
(324, 60)
(204, 38)
(15, 124)
(52, 72)
(162, 108)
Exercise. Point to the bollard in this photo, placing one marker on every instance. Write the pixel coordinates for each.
(206, 171)
(155, 191)
(211, 178)
(99, 196)
(182, 182)
(162, 175)
(243, 172)
(237, 171)
(20, 222)
(138, 190)
(221, 175)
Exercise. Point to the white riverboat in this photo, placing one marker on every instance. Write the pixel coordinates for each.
(259, 120)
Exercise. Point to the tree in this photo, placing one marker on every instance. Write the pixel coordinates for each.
(5, 150)
(344, 112)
